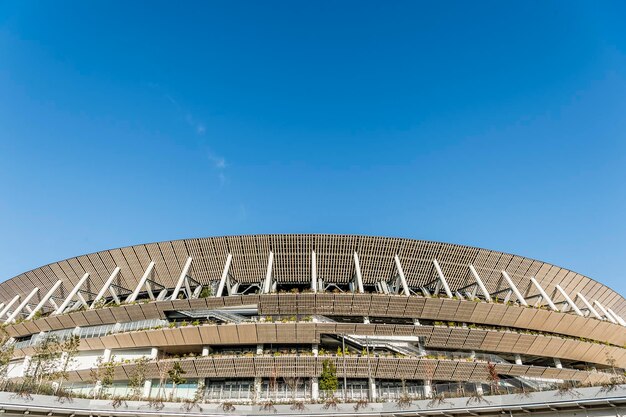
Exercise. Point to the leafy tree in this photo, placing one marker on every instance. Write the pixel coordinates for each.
(175, 374)
(6, 352)
(206, 292)
(102, 376)
(69, 349)
(137, 377)
(328, 378)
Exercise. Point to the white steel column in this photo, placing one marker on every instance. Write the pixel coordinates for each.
(480, 284)
(220, 288)
(44, 300)
(181, 279)
(616, 317)
(514, 288)
(543, 294)
(606, 313)
(313, 272)
(589, 307)
(71, 295)
(105, 287)
(6, 308)
(446, 287)
(142, 281)
(19, 308)
(359, 277)
(405, 286)
(569, 300)
(267, 285)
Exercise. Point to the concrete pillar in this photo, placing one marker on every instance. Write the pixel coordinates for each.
(259, 349)
(315, 389)
(26, 365)
(154, 353)
(518, 359)
(106, 356)
(473, 355)
(366, 320)
(147, 387)
(417, 322)
(557, 363)
(421, 347)
(206, 350)
(315, 349)
(428, 389)
(258, 386)
(479, 388)
(372, 389)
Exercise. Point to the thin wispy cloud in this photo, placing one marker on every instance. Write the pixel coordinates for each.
(218, 162)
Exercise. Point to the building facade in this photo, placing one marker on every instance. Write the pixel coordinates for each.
(271, 319)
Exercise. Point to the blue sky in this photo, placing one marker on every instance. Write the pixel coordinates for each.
(495, 124)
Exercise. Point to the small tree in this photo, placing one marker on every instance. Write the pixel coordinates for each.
(137, 378)
(6, 353)
(493, 377)
(175, 374)
(102, 376)
(69, 347)
(328, 378)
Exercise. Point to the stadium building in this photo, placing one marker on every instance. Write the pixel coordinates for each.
(310, 325)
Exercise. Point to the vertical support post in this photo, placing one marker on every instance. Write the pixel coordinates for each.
(313, 272)
(71, 295)
(181, 279)
(405, 286)
(518, 359)
(569, 300)
(105, 287)
(45, 298)
(446, 287)
(480, 283)
(19, 308)
(267, 285)
(141, 283)
(513, 288)
(220, 288)
(543, 294)
(359, 276)
(315, 387)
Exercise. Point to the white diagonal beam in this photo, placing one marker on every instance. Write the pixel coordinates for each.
(267, 285)
(446, 287)
(6, 308)
(359, 276)
(313, 272)
(513, 288)
(181, 279)
(543, 294)
(589, 306)
(44, 300)
(142, 281)
(71, 295)
(106, 286)
(405, 286)
(606, 313)
(616, 317)
(480, 284)
(220, 288)
(569, 300)
(19, 308)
